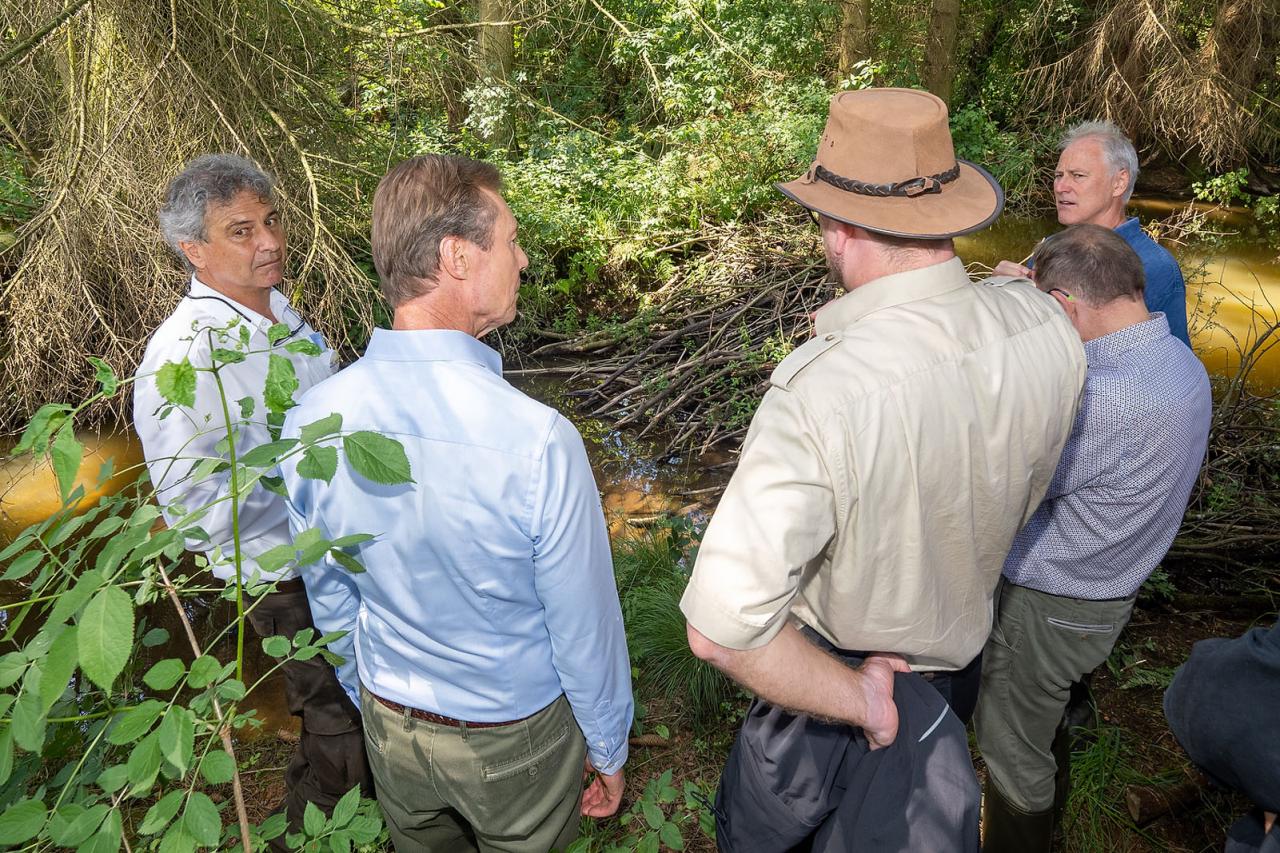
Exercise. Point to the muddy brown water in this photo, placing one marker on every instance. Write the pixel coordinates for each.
(1232, 297)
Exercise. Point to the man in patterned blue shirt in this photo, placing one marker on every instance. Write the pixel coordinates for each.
(1111, 512)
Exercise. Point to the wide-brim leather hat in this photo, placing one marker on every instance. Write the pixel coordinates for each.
(886, 163)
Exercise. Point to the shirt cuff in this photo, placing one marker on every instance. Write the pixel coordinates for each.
(718, 623)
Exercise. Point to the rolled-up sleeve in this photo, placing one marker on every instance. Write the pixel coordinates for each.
(777, 515)
(573, 578)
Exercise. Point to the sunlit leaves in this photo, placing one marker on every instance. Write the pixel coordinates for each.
(106, 635)
(105, 376)
(280, 385)
(378, 458)
(136, 722)
(176, 382)
(59, 665)
(47, 419)
(66, 453)
(164, 674)
(319, 463)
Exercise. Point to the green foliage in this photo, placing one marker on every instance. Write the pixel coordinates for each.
(1223, 189)
(89, 734)
(663, 817)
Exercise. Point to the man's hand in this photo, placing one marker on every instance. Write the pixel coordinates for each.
(603, 795)
(1014, 269)
(880, 714)
(1268, 821)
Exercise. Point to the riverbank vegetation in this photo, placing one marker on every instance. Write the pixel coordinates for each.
(639, 140)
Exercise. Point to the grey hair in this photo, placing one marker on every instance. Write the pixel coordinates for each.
(208, 180)
(1117, 149)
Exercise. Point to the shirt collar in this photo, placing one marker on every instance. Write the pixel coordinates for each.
(431, 345)
(889, 291)
(1129, 228)
(226, 308)
(1107, 350)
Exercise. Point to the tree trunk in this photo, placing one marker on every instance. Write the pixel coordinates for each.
(855, 34)
(940, 48)
(496, 47)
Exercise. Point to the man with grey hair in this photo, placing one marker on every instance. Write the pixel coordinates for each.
(220, 217)
(1096, 173)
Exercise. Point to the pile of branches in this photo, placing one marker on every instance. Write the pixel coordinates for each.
(691, 366)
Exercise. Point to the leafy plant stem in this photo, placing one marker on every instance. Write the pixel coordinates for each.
(224, 730)
(235, 533)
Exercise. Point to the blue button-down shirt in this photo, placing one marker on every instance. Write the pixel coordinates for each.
(1165, 291)
(1121, 486)
(490, 587)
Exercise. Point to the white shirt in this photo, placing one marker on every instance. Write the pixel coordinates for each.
(174, 443)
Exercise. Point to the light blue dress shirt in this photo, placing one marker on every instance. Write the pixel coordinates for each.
(1120, 490)
(490, 587)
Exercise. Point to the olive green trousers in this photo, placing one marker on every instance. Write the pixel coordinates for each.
(451, 789)
(1039, 646)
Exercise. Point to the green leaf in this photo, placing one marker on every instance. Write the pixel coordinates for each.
(176, 382)
(652, 814)
(144, 764)
(277, 332)
(315, 430)
(59, 666)
(275, 559)
(247, 405)
(107, 837)
(346, 808)
(177, 738)
(106, 636)
(76, 827)
(227, 356)
(664, 733)
(312, 820)
(281, 383)
(365, 828)
(304, 636)
(28, 721)
(378, 458)
(648, 844)
(204, 670)
(351, 539)
(304, 347)
(44, 422)
(347, 561)
(276, 647)
(155, 637)
(670, 836)
(67, 452)
(266, 455)
(22, 821)
(73, 599)
(218, 768)
(105, 376)
(232, 690)
(12, 666)
(107, 526)
(319, 463)
(164, 674)
(6, 754)
(159, 815)
(340, 842)
(22, 566)
(177, 840)
(136, 721)
(113, 778)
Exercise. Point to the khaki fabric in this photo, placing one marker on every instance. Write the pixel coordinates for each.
(507, 789)
(890, 465)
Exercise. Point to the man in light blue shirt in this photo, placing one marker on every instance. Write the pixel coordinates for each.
(1112, 510)
(484, 643)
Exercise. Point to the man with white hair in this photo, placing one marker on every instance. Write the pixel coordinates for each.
(1092, 184)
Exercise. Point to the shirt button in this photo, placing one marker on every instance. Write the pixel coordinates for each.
(533, 771)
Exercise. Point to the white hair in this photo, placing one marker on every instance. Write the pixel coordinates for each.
(210, 180)
(1117, 150)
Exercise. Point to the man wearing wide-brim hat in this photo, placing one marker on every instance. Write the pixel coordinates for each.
(848, 573)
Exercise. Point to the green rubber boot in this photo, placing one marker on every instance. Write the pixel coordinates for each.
(1008, 829)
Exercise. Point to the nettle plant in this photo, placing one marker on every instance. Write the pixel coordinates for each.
(100, 751)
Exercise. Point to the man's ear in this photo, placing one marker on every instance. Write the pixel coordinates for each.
(194, 250)
(1119, 183)
(455, 256)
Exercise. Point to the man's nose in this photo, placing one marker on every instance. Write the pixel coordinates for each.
(270, 240)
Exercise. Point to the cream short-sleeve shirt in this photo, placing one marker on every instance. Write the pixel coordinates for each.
(889, 466)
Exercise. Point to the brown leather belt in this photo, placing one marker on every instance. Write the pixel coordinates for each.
(418, 714)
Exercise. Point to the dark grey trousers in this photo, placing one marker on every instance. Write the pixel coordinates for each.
(794, 783)
(330, 758)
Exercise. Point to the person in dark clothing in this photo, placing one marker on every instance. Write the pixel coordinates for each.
(1222, 708)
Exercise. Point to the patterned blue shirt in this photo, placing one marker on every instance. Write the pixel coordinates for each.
(1121, 486)
(489, 589)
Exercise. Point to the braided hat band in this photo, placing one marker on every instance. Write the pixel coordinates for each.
(910, 188)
